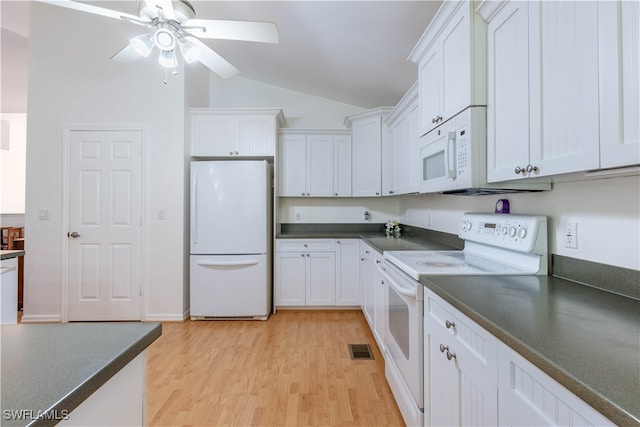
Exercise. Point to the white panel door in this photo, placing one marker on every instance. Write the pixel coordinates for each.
(430, 89)
(342, 166)
(105, 207)
(348, 272)
(290, 277)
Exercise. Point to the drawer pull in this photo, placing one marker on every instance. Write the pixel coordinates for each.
(451, 355)
(449, 324)
(443, 348)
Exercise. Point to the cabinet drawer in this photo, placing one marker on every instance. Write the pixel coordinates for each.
(479, 347)
(299, 245)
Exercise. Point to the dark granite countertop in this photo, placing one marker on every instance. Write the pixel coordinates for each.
(6, 254)
(585, 338)
(55, 367)
(411, 238)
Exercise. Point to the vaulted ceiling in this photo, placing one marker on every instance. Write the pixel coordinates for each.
(353, 52)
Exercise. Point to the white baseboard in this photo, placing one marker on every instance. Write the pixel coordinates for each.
(41, 318)
(166, 317)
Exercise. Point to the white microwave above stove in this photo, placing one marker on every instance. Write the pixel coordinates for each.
(453, 159)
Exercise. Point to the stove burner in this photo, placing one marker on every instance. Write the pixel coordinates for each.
(440, 264)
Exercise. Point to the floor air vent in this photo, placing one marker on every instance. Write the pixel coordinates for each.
(360, 352)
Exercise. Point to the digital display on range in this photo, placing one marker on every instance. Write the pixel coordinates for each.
(492, 226)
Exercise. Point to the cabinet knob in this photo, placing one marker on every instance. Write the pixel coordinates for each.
(302, 255)
(377, 193)
(451, 355)
(336, 194)
(308, 194)
(449, 324)
(531, 168)
(308, 255)
(436, 119)
(338, 241)
(237, 153)
(518, 170)
(303, 194)
(305, 245)
(231, 153)
(382, 282)
(377, 261)
(443, 348)
(390, 191)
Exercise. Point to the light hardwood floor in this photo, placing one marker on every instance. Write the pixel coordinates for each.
(291, 370)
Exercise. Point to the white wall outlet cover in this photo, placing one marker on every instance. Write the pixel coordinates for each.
(571, 236)
(44, 214)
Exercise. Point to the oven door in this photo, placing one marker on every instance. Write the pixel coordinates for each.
(438, 160)
(403, 335)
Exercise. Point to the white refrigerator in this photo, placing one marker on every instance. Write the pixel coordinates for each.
(230, 222)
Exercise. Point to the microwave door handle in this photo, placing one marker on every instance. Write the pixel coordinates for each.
(451, 155)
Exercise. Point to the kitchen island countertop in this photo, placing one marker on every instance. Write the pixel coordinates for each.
(7, 254)
(586, 339)
(51, 368)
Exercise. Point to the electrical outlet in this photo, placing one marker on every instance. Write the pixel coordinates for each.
(571, 236)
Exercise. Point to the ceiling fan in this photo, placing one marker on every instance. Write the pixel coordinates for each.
(172, 27)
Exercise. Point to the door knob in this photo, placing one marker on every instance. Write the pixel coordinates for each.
(73, 234)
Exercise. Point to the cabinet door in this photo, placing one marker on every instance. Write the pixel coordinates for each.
(380, 291)
(429, 89)
(367, 280)
(321, 278)
(291, 166)
(213, 135)
(319, 163)
(256, 136)
(563, 49)
(348, 272)
(367, 147)
(342, 166)
(443, 377)
(290, 277)
(456, 59)
(508, 92)
(529, 397)
(619, 37)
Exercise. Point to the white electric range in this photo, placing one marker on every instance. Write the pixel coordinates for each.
(494, 244)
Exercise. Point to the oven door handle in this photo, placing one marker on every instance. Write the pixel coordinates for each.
(411, 293)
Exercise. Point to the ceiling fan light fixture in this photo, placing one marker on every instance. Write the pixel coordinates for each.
(189, 51)
(168, 59)
(142, 44)
(165, 39)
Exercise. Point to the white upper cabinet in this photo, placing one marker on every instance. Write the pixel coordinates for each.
(366, 172)
(557, 99)
(451, 58)
(400, 162)
(619, 37)
(234, 132)
(563, 84)
(314, 163)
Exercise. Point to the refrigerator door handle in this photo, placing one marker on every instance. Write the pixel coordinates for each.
(194, 210)
(228, 263)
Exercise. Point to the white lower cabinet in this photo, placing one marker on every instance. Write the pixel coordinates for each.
(305, 272)
(317, 272)
(460, 368)
(472, 378)
(373, 292)
(528, 396)
(347, 272)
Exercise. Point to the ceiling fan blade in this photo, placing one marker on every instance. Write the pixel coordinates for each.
(265, 32)
(83, 7)
(213, 61)
(126, 54)
(164, 5)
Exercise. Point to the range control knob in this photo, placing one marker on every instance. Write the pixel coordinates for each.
(466, 225)
(512, 231)
(522, 233)
(504, 230)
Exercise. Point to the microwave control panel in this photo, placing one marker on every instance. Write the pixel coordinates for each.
(463, 153)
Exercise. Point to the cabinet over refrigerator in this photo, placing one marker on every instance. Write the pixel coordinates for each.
(230, 262)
